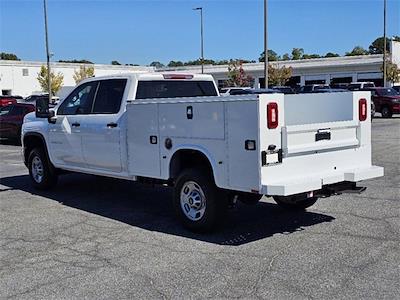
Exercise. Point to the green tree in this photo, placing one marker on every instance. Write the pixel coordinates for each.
(156, 64)
(56, 80)
(331, 54)
(357, 50)
(83, 73)
(272, 56)
(8, 56)
(279, 75)
(297, 53)
(286, 56)
(309, 56)
(396, 38)
(174, 63)
(377, 46)
(76, 61)
(115, 63)
(392, 72)
(237, 76)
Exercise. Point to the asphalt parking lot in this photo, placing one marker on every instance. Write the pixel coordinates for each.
(101, 238)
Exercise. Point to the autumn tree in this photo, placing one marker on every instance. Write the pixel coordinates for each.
(83, 73)
(278, 75)
(392, 72)
(237, 76)
(56, 80)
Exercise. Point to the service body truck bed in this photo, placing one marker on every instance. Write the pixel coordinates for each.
(212, 150)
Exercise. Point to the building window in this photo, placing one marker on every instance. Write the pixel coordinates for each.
(25, 72)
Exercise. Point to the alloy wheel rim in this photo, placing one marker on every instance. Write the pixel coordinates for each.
(193, 201)
(37, 169)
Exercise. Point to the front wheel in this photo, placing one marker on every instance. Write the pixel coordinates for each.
(198, 203)
(41, 172)
(386, 113)
(295, 202)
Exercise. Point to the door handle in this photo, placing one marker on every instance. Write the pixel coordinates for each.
(112, 125)
(75, 124)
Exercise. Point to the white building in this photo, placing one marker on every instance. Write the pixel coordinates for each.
(20, 77)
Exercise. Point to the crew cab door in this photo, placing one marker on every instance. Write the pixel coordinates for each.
(65, 130)
(101, 133)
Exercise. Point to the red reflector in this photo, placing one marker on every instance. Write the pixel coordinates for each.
(177, 76)
(272, 115)
(362, 109)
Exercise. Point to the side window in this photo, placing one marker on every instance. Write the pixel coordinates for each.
(109, 96)
(16, 111)
(79, 101)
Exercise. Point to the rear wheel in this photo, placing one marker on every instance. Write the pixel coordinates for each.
(295, 202)
(198, 203)
(386, 112)
(41, 172)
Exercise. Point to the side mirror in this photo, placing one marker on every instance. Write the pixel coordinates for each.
(42, 108)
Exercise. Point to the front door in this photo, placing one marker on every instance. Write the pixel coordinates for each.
(65, 131)
(101, 135)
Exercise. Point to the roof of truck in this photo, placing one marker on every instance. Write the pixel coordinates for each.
(156, 76)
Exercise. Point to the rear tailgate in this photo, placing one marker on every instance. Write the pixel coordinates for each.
(320, 139)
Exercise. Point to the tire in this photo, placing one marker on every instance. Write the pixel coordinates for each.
(295, 202)
(249, 199)
(41, 172)
(198, 203)
(386, 112)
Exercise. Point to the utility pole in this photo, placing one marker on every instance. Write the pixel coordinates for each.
(201, 36)
(47, 50)
(384, 43)
(265, 45)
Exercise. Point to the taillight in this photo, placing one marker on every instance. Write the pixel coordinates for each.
(178, 76)
(272, 115)
(362, 109)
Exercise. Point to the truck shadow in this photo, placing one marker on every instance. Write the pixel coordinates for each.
(149, 208)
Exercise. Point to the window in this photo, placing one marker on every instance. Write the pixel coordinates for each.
(79, 101)
(5, 110)
(174, 89)
(16, 111)
(25, 72)
(109, 96)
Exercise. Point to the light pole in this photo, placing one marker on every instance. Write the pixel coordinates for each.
(201, 33)
(47, 50)
(265, 45)
(384, 43)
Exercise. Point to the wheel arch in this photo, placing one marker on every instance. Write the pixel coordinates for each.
(191, 157)
(33, 140)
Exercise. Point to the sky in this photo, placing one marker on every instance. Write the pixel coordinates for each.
(142, 31)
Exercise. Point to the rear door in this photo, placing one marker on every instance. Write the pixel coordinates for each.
(101, 133)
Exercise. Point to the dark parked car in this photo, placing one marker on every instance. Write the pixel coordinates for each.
(283, 89)
(11, 119)
(7, 100)
(397, 88)
(311, 88)
(386, 100)
(253, 91)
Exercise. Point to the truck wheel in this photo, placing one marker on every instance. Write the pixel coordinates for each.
(295, 202)
(41, 172)
(386, 113)
(197, 201)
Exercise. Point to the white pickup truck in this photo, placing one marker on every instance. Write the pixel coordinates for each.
(174, 129)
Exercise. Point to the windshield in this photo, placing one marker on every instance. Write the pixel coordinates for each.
(388, 92)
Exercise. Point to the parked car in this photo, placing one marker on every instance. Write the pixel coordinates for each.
(310, 88)
(254, 91)
(329, 90)
(397, 88)
(32, 99)
(357, 86)
(284, 89)
(211, 150)
(11, 119)
(228, 90)
(7, 100)
(386, 100)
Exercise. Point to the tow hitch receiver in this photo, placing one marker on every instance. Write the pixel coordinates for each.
(345, 187)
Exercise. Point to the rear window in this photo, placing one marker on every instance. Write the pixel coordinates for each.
(174, 89)
(369, 85)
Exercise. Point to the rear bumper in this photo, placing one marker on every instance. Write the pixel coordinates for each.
(293, 186)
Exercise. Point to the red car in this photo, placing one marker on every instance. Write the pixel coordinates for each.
(11, 119)
(386, 100)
